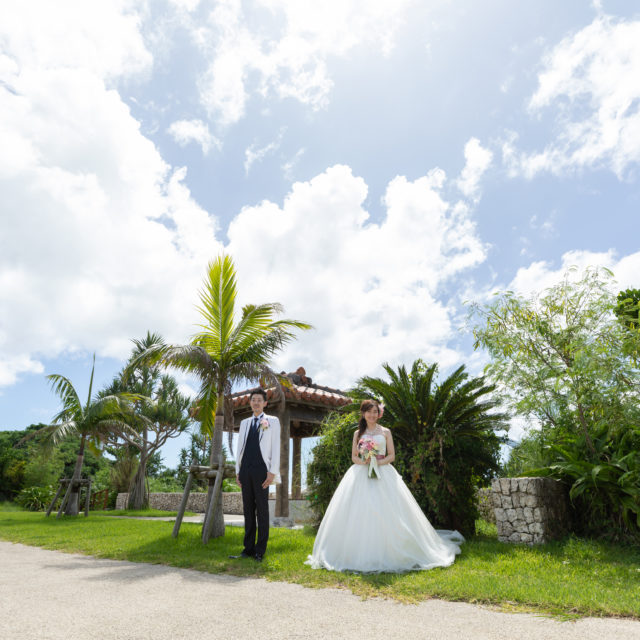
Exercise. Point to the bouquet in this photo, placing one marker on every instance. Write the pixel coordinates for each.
(368, 451)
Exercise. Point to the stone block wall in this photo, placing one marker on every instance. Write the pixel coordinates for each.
(530, 510)
(485, 504)
(231, 501)
(299, 511)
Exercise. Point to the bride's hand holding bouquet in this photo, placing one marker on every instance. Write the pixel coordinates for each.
(369, 452)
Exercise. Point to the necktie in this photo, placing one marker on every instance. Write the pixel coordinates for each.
(254, 425)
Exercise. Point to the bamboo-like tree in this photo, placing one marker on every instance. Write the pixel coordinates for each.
(227, 349)
(93, 422)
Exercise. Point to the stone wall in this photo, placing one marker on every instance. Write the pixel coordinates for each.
(299, 511)
(231, 501)
(485, 504)
(530, 510)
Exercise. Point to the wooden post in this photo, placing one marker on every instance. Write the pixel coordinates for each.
(207, 527)
(87, 499)
(282, 490)
(183, 505)
(296, 472)
(58, 492)
(64, 500)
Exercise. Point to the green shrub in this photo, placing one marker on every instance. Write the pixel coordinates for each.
(445, 435)
(35, 498)
(331, 460)
(164, 485)
(230, 486)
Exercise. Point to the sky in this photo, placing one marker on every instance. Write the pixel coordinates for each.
(373, 165)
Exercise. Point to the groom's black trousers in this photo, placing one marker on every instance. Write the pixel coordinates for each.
(255, 502)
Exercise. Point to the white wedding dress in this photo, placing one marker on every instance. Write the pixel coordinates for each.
(375, 525)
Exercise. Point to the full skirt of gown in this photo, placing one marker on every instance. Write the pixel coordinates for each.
(375, 525)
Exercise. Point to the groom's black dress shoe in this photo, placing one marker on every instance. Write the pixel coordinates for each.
(244, 554)
(258, 557)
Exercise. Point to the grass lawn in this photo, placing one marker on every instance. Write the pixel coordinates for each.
(567, 578)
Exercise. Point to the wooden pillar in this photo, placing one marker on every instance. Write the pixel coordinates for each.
(282, 489)
(296, 472)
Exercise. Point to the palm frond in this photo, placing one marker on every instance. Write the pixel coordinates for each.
(217, 300)
(64, 389)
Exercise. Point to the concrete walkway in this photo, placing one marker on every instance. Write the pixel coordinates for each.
(51, 595)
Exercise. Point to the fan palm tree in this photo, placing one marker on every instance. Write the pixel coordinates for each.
(93, 422)
(226, 350)
(446, 436)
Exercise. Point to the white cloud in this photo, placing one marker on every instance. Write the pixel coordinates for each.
(373, 291)
(541, 275)
(289, 166)
(101, 240)
(186, 131)
(285, 48)
(477, 161)
(256, 154)
(591, 79)
(12, 367)
(101, 38)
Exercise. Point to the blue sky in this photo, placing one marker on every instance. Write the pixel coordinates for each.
(370, 165)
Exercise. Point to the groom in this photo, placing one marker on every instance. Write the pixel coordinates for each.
(257, 466)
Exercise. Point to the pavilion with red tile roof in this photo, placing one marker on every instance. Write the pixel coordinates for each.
(305, 406)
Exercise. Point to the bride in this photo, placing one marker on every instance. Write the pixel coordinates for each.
(373, 523)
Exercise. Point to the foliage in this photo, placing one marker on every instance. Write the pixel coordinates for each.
(36, 498)
(227, 349)
(531, 452)
(445, 435)
(331, 457)
(606, 489)
(93, 422)
(628, 308)
(165, 485)
(199, 452)
(161, 413)
(564, 360)
(23, 463)
(14, 456)
(573, 577)
(229, 485)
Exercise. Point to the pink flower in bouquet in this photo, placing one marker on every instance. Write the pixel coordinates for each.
(264, 424)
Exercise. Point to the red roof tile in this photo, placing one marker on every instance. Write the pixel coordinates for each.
(313, 394)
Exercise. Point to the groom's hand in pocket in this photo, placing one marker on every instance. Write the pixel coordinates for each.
(269, 480)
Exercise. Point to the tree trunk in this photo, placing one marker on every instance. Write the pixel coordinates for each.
(138, 495)
(72, 506)
(216, 449)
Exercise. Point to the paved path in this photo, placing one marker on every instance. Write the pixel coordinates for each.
(51, 595)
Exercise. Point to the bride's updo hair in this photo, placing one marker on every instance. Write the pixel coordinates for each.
(364, 407)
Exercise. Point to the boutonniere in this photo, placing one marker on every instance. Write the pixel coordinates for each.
(264, 424)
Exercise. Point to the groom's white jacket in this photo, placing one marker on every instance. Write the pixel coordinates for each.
(269, 444)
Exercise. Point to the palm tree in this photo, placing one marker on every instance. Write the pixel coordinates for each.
(445, 435)
(226, 350)
(93, 422)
